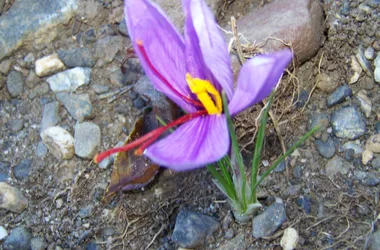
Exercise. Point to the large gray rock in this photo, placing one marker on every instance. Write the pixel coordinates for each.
(78, 105)
(33, 21)
(19, 239)
(87, 139)
(70, 79)
(298, 22)
(348, 122)
(192, 228)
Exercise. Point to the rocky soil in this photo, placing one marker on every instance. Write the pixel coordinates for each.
(68, 91)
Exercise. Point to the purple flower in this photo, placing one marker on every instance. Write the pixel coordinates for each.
(192, 71)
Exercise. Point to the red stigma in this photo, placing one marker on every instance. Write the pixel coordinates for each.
(146, 140)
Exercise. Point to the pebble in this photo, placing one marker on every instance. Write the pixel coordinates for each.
(86, 211)
(139, 103)
(348, 122)
(20, 239)
(356, 68)
(92, 246)
(372, 180)
(290, 239)
(123, 27)
(48, 65)
(29, 60)
(339, 95)
(78, 105)
(117, 78)
(41, 150)
(12, 199)
(337, 165)
(229, 234)
(17, 124)
(326, 83)
(297, 172)
(4, 170)
(373, 143)
(3, 233)
(322, 119)
(369, 53)
(5, 66)
(376, 162)
(104, 164)
(302, 99)
(265, 224)
(364, 63)
(15, 83)
(87, 139)
(100, 89)
(59, 142)
(78, 57)
(104, 31)
(366, 83)
(70, 79)
(281, 167)
(326, 149)
(88, 37)
(365, 103)
(39, 91)
(107, 48)
(50, 115)
(21, 171)
(377, 74)
(367, 156)
(38, 244)
(192, 228)
(32, 79)
(357, 148)
(360, 175)
(305, 203)
(374, 241)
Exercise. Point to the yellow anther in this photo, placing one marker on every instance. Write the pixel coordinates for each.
(203, 89)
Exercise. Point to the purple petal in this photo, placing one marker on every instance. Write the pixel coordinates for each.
(164, 47)
(200, 23)
(257, 78)
(194, 144)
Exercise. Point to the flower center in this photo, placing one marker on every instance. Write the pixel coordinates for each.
(204, 90)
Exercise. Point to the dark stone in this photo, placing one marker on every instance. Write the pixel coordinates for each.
(123, 28)
(78, 105)
(88, 37)
(326, 149)
(372, 180)
(92, 246)
(348, 122)
(305, 203)
(105, 30)
(321, 119)
(4, 170)
(339, 95)
(15, 83)
(281, 167)
(78, 57)
(41, 149)
(297, 172)
(17, 125)
(349, 154)
(139, 103)
(133, 95)
(377, 126)
(302, 99)
(20, 239)
(265, 224)
(192, 228)
(39, 90)
(21, 171)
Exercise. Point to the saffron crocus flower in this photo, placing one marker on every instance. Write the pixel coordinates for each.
(193, 71)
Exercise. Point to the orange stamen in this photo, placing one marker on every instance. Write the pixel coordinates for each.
(149, 138)
(157, 73)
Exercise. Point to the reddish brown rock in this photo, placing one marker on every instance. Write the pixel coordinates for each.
(298, 22)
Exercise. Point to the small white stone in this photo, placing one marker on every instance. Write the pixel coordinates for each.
(48, 65)
(377, 74)
(265, 163)
(59, 142)
(373, 143)
(290, 239)
(365, 103)
(356, 68)
(12, 199)
(367, 156)
(69, 80)
(59, 203)
(3, 233)
(369, 53)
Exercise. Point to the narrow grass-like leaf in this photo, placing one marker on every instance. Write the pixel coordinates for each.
(259, 147)
(228, 188)
(281, 158)
(236, 150)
